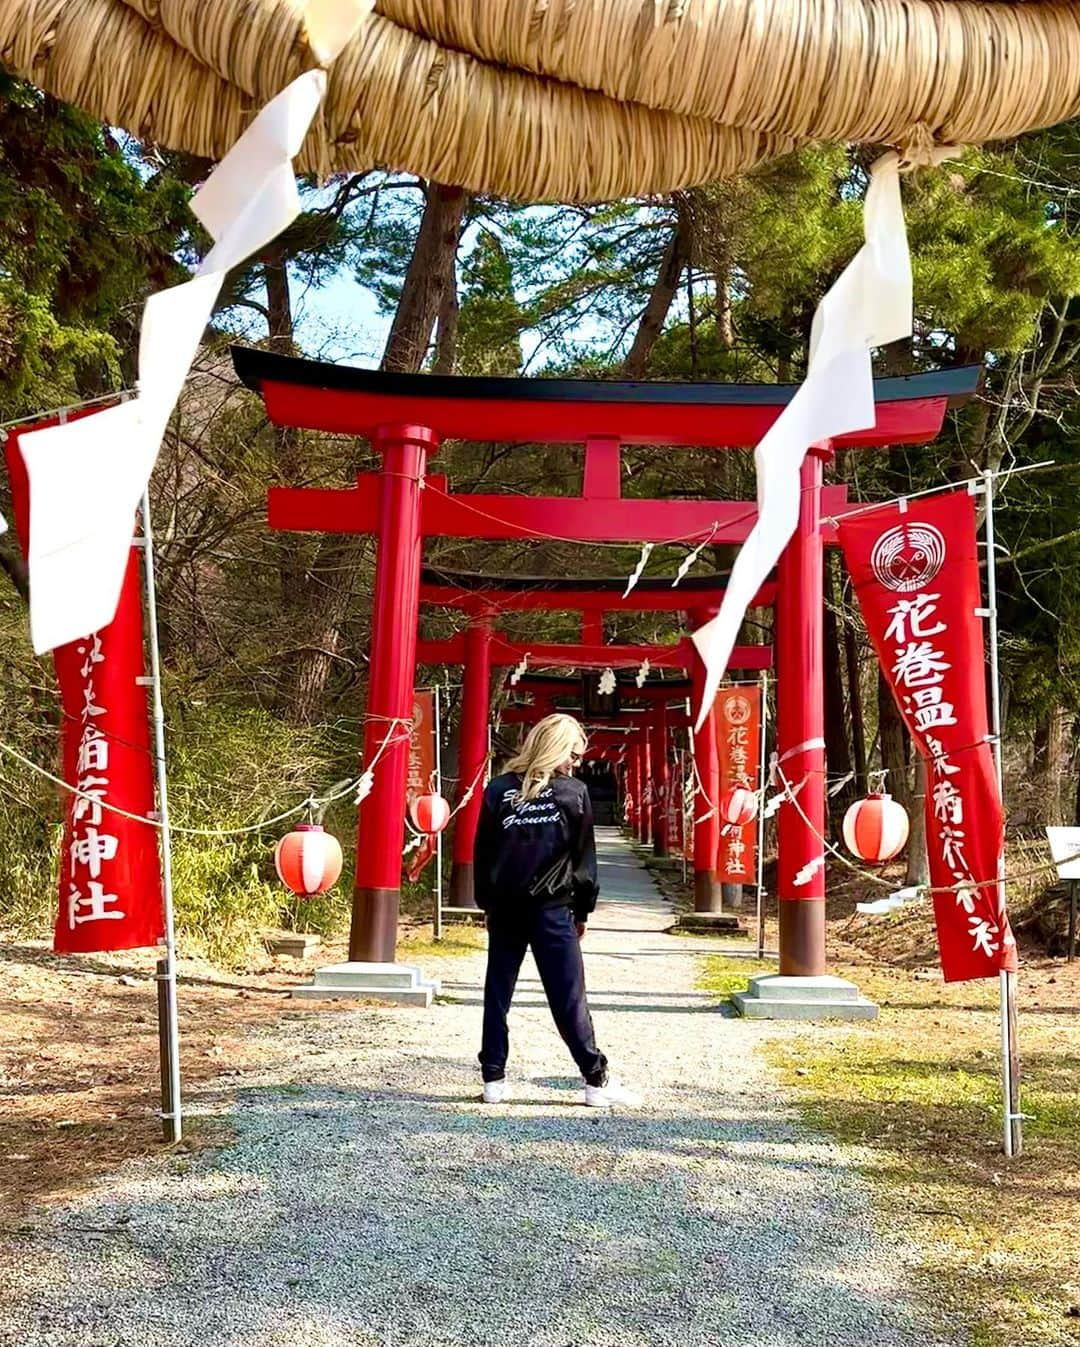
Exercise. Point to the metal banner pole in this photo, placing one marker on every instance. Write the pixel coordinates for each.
(761, 817)
(169, 1027)
(437, 698)
(1010, 1057)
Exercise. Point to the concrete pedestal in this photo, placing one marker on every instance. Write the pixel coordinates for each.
(370, 982)
(720, 923)
(464, 916)
(295, 945)
(773, 996)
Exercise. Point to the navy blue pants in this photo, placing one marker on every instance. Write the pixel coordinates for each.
(551, 935)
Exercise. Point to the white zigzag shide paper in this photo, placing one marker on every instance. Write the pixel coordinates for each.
(88, 476)
(870, 305)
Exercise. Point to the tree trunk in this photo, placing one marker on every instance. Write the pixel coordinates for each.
(1049, 765)
(278, 303)
(17, 571)
(893, 742)
(1076, 800)
(447, 330)
(341, 561)
(282, 338)
(725, 327)
(855, 708)
(918, 862)
(664, 290)
(426, 280)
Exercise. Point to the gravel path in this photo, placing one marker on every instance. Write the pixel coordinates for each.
(369, 1200)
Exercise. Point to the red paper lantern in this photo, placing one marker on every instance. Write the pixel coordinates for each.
(875, 829)
(429, 813)
(738, 805)
(308, 860)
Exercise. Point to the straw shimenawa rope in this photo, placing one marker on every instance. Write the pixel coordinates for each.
(571, 100)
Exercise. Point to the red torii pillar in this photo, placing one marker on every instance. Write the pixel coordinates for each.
(800, 732)
(708, 891)
(472, 756)
(644, 830)
(661, 776)
(395, 615)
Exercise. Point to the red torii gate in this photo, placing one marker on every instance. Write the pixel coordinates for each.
(482, 596)
(407, 416)
(632, 741)
(479, 648)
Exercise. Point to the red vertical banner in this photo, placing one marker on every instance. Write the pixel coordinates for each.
(738, 729)
(110, 870)
(421, 775)
(687, 803)
(674, 805)
(916, 574)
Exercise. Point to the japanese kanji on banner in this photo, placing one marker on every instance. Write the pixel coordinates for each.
(674, 807)
(110, 871)
(421, 778)
(689, 800)
(916, 574)
(737, 712)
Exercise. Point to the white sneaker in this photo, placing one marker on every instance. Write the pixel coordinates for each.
(496, 1091)
(611, 1095)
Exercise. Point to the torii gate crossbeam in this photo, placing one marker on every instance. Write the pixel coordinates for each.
(407, 416)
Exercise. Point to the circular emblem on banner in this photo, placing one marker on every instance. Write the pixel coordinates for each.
(908, 556)
(737, 710)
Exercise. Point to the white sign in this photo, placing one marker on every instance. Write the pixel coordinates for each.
(1065, 849)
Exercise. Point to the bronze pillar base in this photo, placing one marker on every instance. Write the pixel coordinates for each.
(461, 886)
(802, 937)
(708, 894)
(373, 935)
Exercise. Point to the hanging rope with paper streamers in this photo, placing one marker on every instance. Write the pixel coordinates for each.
(1032, 872)
(639, 569)
(691, 557)
(607, 683)
(87, 476)
(901, 898)
(314, 805)
(642, 673)
(806, 874)
(519, 670)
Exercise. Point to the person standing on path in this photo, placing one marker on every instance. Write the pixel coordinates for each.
(535, 878)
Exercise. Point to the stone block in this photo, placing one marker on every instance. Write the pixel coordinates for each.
(773, 996)
(398, 983)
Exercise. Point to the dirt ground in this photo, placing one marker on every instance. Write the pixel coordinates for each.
(79, 1047)
(79, 1087)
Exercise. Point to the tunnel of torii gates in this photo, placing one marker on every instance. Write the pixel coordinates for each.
(625, 741)
(480, 649)
(406, 417)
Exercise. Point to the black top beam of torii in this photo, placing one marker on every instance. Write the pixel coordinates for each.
(604, 415)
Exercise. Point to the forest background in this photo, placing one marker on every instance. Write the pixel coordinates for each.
(265, 635)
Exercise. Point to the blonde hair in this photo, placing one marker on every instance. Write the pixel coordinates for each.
(547, 746)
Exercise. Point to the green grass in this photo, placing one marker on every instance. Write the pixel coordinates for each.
(722, 975)
(918, 1091)
(458, 940)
